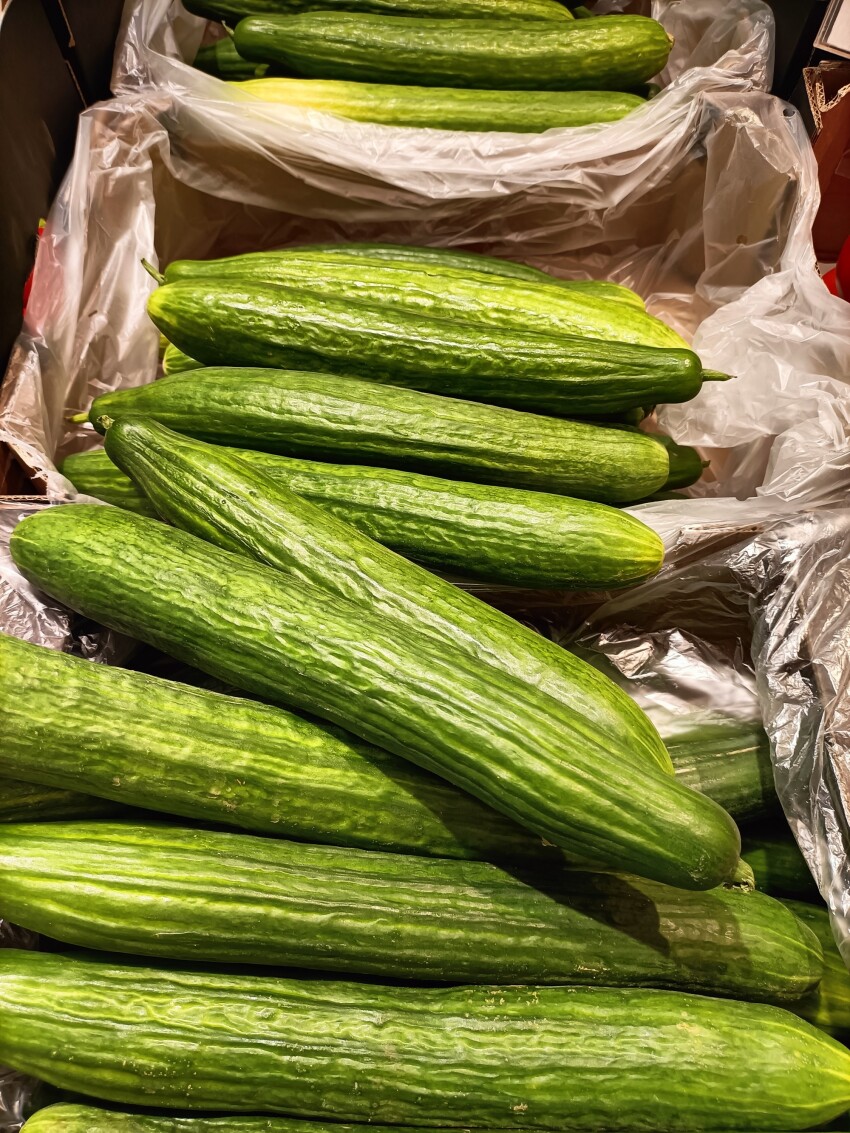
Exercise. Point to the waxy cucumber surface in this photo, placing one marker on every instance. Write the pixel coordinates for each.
(488, 733)
(488, 1057)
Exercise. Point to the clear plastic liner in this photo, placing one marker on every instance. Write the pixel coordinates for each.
(702, 201)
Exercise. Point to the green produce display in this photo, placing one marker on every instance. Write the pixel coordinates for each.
(233, 10)
(218, 497)
(728, 760)
(443, 108)
(495, 534)
(828, 1005)
(202, 755)
(459, 1056)
(224, 61)
(174, 361)
(608, 53)
(779, 867)
(486, 732)
(230, 898)
(30, 802)
(242, 323)
(341, 419)
(427, 259)
(444, 292)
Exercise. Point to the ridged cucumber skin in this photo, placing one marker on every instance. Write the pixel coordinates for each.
(437, 706)
(480, 298)
(199, 754)
(609, 53)
(218, 497)
(779, 866)
(222, 60)
(234, 10)
(174, 361)
(477, 1056)
(66, 1118)
(230, 898)
(730, 762)
(29, 802)
(239, 323)
(828, 1006)
(325, 417)
(542, 662)
(503, 535)
(441, 108)
(413, 255)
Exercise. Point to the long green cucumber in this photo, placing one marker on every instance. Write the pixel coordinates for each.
(29, 802)
(330, 418)
(414, 256)
(443, 108)
(224, 61)
(530, 1057)
(486, 732)
(229, 898)
(728, 760)
(779, 866)
(66, 1118)
(202, 755)
(502, 535)
(539, 661)
(609, 53)
(449, 293)
(828, 1005)
(234, 10)
(240, 323)
(217, 496)
(174, 361)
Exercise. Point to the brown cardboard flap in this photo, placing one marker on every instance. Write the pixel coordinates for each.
(828, 88)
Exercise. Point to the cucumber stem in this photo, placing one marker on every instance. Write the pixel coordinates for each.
(716, 376)
(151, 270)
(79, 418)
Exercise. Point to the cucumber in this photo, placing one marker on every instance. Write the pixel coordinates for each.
(234, 10)
(240, 323)
(686, 464)
(174, 361)
(224, 61)
(66, 1118)
(230, 898)
(414, 256)
(218, 497)
(779, 866)
(478, 1056)
(443, 108)
(418, 698)
(608, 53)
(29, 802)
(498, 535)
(728, 760)
(828, 1005)
(202, 755)
(475, 297)
(326, 417)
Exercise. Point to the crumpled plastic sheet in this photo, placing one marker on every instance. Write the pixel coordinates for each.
(765, 622)
(703, 202)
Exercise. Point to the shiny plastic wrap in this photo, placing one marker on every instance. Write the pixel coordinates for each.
(702, 201)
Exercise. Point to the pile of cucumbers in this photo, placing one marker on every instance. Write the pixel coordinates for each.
(382, 854)
(522, 66)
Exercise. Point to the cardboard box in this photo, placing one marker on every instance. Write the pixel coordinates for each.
(828, 88)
